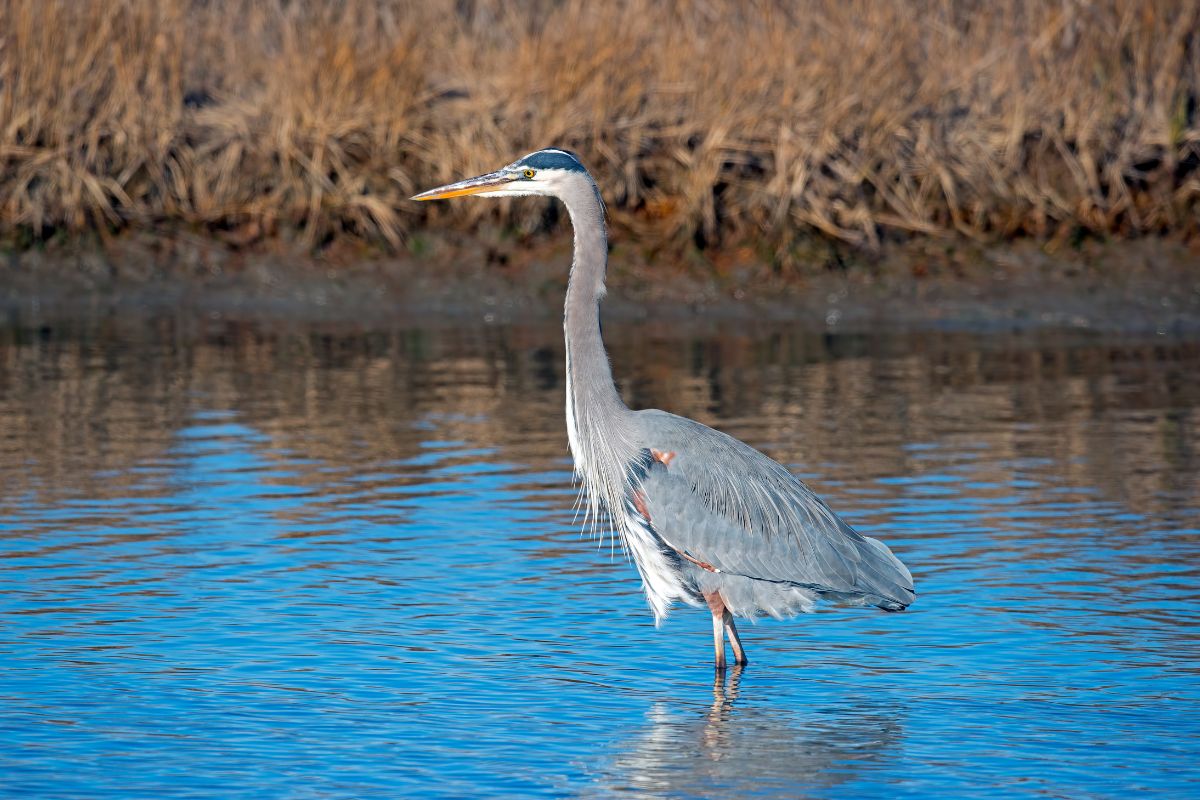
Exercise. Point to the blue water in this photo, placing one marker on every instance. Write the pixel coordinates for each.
(271, 560)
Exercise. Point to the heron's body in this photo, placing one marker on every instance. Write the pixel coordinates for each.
(707, 519)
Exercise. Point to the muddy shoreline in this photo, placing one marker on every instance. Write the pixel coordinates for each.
(1149, 286)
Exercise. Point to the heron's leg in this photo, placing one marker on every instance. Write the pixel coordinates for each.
(717, 606)
(719, 640)
(739, 654)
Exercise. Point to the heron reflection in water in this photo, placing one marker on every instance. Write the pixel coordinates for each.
(708, 520)
(746, 744)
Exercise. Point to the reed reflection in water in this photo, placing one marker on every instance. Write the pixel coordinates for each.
(255, 559)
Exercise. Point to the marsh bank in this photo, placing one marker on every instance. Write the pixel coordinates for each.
(1145, 286)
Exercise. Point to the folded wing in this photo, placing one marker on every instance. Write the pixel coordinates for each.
(723, 504)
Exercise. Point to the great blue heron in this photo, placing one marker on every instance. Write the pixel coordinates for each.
(708, 519)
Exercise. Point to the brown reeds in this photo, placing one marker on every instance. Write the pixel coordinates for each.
(710, 121)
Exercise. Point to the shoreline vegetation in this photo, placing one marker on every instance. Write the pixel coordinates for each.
(777, 128)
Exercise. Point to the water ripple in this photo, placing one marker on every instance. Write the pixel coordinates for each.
(232, 565)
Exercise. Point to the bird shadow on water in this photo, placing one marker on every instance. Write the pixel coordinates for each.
(745, 742)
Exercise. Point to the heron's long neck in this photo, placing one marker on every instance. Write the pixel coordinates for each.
(599, 424)
(588, 370)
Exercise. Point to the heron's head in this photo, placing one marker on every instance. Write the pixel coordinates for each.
(546, 172)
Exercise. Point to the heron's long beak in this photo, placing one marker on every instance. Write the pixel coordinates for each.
(469, 186)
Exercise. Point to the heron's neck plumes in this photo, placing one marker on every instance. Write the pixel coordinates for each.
(599, 425)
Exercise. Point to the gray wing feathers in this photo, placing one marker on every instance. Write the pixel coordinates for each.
(721, 502)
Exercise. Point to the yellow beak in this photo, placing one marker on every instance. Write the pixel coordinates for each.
(469, 186)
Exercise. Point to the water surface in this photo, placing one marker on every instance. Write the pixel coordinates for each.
(252, 559)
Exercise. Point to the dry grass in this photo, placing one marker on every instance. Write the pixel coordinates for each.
(708, 121)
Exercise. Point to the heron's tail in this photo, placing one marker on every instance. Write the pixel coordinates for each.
(886, 582)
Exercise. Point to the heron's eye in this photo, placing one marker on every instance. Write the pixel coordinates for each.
(529, 173)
